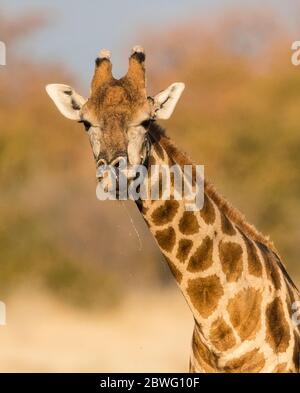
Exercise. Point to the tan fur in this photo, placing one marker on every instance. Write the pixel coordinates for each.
(252, 361)
(136, 72)
(102, 74)
(221, 335)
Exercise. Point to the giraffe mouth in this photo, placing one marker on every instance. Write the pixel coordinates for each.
(121, 182)
(112, 188)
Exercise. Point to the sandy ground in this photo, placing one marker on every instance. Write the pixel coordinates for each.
(148, 333)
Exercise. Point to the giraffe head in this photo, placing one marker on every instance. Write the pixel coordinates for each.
(118, 113)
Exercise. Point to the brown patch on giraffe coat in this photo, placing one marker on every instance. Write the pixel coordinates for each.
(208, 211)
(188, 224)
(251, 362)
(226, 225)
(151, 160)
(231, 257)
(271, 265)
(165, 213)
(166, 238)
(205, 293)
(202, 258)
(184, 247)
(221, 335)
(244, 311)
(176, 186)
(206, 358)
(254, 263)
(277, 329)
(175, 271)
(280, 368)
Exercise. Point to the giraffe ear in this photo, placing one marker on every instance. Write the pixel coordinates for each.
(68, 102)
(166, 100)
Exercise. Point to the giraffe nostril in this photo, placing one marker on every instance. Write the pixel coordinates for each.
(118, 162)
(101, 162)
(114, 167)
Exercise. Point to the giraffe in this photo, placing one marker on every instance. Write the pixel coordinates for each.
(231, 276)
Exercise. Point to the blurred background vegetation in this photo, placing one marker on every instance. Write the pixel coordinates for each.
(239, 116)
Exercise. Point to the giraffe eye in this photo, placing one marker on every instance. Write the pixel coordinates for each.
(87, 124)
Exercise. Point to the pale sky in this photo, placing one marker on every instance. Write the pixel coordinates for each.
(79, 29)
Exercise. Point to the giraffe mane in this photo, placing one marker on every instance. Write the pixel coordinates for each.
(158, 135)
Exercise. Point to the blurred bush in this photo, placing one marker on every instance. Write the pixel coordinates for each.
(238, 116)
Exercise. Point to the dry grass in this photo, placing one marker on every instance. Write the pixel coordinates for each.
(148, 333)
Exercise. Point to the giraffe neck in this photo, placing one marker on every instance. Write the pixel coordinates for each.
(186, 238)
(232, 280)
